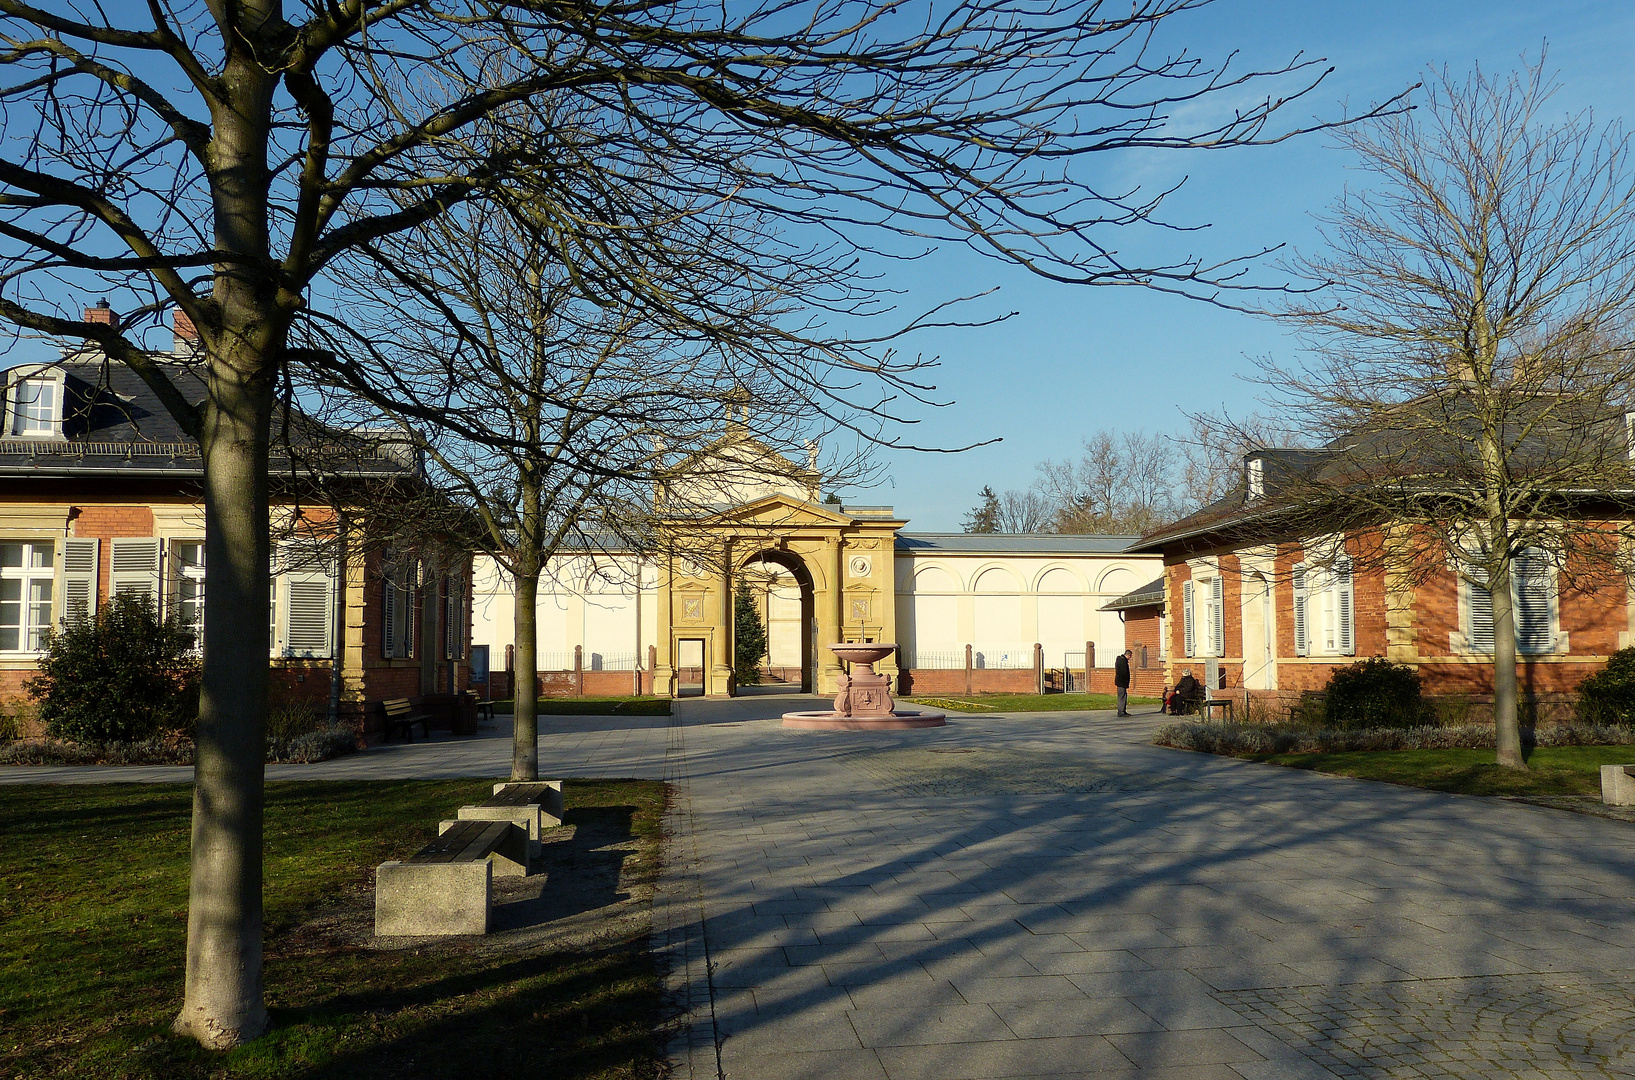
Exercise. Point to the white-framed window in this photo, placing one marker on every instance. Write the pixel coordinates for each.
(397, 601)
(187, 586)
(36, 407)
(1534, 602)
(301, 609)
(1325, 615)
(27, 586)
(1203, 613)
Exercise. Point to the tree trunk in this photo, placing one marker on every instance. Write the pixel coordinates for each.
(1506, 724)
(223, 1004)
(525, 679)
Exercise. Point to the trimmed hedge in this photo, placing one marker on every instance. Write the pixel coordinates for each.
(1230, 739)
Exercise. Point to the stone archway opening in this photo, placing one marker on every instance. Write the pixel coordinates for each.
(783, 593)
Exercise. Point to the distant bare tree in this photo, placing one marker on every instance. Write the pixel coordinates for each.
(1472, 359)
(1027, 511)
(1123, 483)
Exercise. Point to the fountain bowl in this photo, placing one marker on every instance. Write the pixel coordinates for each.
(871, 707)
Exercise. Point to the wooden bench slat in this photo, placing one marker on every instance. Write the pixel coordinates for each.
(456, 844)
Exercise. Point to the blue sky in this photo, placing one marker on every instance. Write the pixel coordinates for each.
(1075, 360)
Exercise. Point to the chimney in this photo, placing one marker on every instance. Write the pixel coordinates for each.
(102, 313)
(181, 326)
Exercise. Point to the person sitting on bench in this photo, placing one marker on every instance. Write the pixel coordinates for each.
(1187, 695)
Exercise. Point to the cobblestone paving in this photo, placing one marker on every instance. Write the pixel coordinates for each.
(1567, 1026)
(1049, 896)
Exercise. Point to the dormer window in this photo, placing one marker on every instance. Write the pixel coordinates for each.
(36, 407)
(1255, 477)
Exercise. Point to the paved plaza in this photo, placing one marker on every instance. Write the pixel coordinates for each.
(1047, 895)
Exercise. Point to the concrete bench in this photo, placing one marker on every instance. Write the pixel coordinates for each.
(530, 805)
(401, 714)
(1618, 785)
(447, 886)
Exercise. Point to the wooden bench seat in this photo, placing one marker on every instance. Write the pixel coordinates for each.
(531, 805)
(446, 887)
(401, 714)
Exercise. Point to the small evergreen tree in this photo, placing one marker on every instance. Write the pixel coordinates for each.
(748, 636)
(984, 516)
(125, 674)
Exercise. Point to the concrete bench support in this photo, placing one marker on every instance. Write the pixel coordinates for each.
(447, 886)
(433, 899)
(1618, 785)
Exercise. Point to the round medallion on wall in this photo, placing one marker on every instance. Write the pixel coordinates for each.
(861, 565)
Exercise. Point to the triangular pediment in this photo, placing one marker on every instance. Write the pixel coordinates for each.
(783, 511)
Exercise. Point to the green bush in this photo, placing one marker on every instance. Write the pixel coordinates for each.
(1608, 696)
(1373, 693)
(124, 675)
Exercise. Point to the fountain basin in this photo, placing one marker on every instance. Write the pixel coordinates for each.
(864, 703)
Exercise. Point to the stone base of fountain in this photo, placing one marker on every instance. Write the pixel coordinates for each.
(825, 720)
(864, 702)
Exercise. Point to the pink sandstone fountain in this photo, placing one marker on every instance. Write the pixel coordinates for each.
(864, 703)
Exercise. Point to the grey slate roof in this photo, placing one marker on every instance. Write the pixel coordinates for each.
(114, 424)
(1012, 544)
(1147, 596)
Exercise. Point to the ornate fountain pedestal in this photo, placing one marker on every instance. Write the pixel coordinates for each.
(864, 702)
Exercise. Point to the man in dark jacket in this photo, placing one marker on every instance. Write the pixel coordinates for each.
(1121, 681)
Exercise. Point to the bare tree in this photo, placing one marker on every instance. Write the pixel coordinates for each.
(1471, 357)
(222, 157)
(1123, 483)
(1027, 511)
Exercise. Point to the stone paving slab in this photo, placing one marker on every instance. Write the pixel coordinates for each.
(1058, 898)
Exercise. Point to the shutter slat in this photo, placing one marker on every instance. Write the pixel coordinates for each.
(1346, 602)
(1186, 616)
(79, 578)
(1217, 619)
(1302, 637)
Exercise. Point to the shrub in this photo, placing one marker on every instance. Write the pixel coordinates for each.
(1608, 696)
(1371, 694)
(13, 719)
(125, 675)
(1217, 738)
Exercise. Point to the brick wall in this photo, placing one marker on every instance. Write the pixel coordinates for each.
(106, 523)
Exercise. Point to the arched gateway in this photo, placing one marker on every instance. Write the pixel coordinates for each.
(970, 612)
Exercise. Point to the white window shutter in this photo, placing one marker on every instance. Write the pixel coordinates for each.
(1217, 618)
(307, 622)
(454, 617)
(1531, 576)
(134, 568)
(1302, 631)
(308, 587)
(1345, 604)
(1480, 607)
(388, 617)
(79, 578)
(1186, 617)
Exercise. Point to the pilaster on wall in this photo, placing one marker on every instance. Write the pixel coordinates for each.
(1401, 635)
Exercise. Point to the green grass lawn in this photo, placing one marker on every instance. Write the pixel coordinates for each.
(1558, 770)
(595, 706)
(1026, 702)
(93, 898)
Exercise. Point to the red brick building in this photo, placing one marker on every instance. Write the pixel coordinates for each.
(100, 493)
(1276, 612)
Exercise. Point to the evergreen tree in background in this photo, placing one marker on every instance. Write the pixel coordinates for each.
(984, 516)
(748, 636)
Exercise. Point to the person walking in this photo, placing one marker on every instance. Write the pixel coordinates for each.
(1121, 680)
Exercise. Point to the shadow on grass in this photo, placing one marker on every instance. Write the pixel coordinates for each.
(576, 875)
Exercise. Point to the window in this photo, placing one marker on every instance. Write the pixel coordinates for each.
(1324, 610)
(1533, 596)
(187, 586)
(303, 594)
(1212, 615)
(1255, 478)
(27, 577)
(397, 607)
(34, 406)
